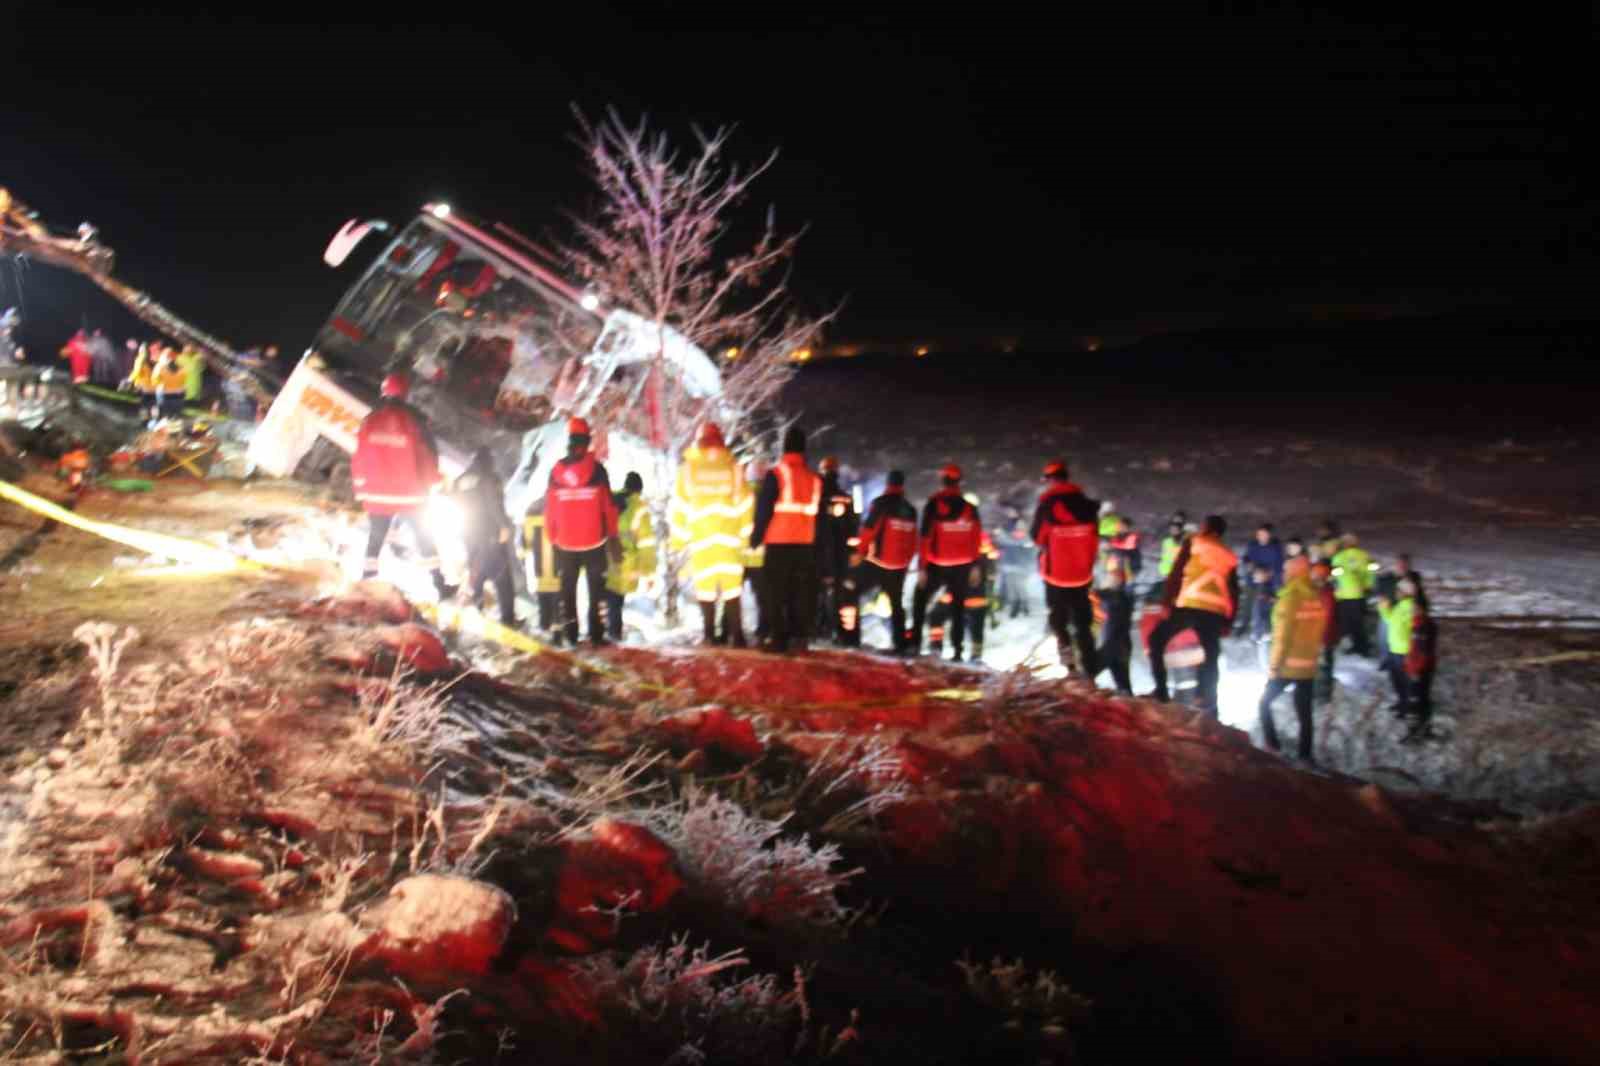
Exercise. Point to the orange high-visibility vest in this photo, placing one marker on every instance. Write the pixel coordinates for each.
(794, 516)
(1205, 577)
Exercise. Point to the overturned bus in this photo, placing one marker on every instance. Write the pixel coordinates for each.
(501, 351)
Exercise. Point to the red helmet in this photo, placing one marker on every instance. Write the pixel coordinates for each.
(711, 436)
(396, 386)
(578, 427)
(950, 472)
(1056, 468)
(829, 465)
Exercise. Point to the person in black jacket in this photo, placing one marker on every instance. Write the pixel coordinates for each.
(837, 525)
(487, 533)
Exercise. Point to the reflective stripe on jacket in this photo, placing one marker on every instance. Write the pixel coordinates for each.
(795, 502)
(579, 513)
(1068, 535)
(1300, 621)
(951, 530)
(1352, 574)
(537, 546)
(1209, 576)
(636, 534)
(889, 538)
(712, 516)
(395, 462)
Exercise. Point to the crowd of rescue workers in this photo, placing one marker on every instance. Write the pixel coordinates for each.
(816, 568)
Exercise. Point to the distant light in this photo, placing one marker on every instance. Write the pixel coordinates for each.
(439, 210)
(731, 354)
(922, 351)
(801, 356)
(589, 300)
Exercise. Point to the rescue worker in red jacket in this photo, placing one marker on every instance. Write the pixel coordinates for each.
(888, 544)
(394, 468)
(787, 507)
(1066, 529)
(581, 521)
(951, 536)
(1202, 594)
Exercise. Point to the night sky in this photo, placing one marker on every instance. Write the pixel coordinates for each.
(992, 173)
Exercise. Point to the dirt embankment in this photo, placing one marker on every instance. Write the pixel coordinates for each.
(259, 841)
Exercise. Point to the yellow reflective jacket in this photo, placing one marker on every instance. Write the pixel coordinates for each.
(1299, 622)
(1353, 576)
(712, 515)
(637, 535)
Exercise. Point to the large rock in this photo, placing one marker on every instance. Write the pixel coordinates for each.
(620, 868)
(437, 924)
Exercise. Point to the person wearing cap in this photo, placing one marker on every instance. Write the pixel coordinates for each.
(1353, 578)
(1202, 594)
(1110, 520)
(636, 533)
(837, 527)
(787, 508)
(581, 521)
(711, 518)
(951, 535)
(1300, 622)
(1066, 530)
(888, 543)
(394, 468)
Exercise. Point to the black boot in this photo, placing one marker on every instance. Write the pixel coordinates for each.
(733, 624)
(708, 621)
(442, 587)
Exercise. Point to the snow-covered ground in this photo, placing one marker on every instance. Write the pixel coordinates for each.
(1490, 490)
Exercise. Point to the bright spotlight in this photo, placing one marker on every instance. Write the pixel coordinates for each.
(589, 300)
(439, 210)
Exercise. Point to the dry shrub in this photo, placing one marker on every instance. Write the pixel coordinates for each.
(745, 860)
(1032, 1003)
(670, 1002)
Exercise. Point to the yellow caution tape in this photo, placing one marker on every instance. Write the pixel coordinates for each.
(167, 547)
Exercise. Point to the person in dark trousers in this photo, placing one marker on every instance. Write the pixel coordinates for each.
(1301, 618)
(487, 532)
(1016, 565)
(633, 525)
(540, 570)
(1322, 581)
(1066, 530)
(888, 544)
(1263, 563)
(951, 533)
(837, 526)
(755, 558)
(581, 521)
(1384, 586)
(1115, 573)
(394, 468)
(787, 507)
(1202, 594)
(974, 606)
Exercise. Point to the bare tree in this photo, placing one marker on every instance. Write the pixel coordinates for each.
(655, 243)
